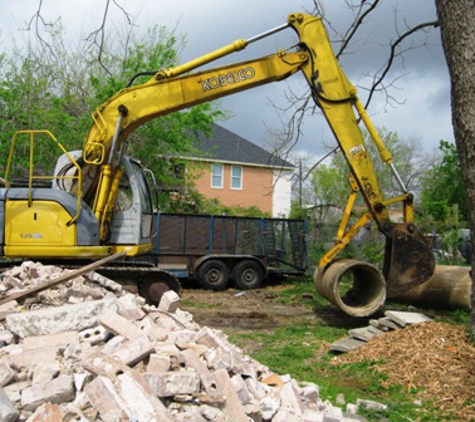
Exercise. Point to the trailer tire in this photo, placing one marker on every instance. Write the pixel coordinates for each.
(248, 275)
(213, 275)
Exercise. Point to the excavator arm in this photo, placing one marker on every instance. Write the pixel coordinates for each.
(408, 258)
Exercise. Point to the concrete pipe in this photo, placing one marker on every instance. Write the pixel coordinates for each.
(449, 287)
(356, 287)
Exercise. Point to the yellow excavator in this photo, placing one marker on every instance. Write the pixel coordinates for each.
(98, 202)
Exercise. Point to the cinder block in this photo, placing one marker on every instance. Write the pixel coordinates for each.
(59, 390)
(94, 335)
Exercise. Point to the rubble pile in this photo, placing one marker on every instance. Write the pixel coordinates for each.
(87, 350)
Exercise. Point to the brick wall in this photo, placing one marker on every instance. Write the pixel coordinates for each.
(257, 186)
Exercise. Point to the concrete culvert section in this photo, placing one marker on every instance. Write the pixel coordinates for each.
(356, 287)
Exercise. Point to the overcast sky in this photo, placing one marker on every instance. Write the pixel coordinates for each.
(421, 110)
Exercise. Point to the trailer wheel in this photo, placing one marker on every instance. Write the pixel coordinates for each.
(248, 275)
(213, 275)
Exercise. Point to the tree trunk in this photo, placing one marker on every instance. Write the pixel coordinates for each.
(457, 23)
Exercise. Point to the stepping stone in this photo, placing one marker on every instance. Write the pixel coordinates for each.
(407, 318)
(346, 345)
(389, 323)
(363, 333)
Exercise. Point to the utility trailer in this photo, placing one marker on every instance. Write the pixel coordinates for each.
(213, 250)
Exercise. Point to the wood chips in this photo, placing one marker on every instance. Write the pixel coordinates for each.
(434, 358)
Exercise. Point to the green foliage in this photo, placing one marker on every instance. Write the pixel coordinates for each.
(443, 187)
(45, 85)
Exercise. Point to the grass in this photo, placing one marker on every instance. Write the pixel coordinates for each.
(301, 350)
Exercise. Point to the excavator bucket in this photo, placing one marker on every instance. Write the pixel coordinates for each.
(409, 260)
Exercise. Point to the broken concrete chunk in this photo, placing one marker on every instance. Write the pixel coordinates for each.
(133, 351)
(20, 358)
(371, 405)
(47, 412)
(169, 302)
(59, 390)
(106, 400)
(7, 375)
(104, 281)
(140, 401)
(169, 384)
(58, 319)
(8, 412)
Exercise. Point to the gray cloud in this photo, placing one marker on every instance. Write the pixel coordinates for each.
(421, 82)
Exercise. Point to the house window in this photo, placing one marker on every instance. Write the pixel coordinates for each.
(236, 177)
(217, 176)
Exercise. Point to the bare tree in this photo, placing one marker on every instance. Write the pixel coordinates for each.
(457, 23)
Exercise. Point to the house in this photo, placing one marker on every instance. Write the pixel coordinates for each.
(239, 173)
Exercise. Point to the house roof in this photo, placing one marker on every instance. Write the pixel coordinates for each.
(227, 146)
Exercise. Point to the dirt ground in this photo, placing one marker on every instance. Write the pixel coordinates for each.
(440, 354)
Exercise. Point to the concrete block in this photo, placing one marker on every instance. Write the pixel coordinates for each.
(311, 392)
(140, 401)
(106, 400)
(389, 323)
(407, 318)
(59, 319)
(133, 351)
(169, 384)
(362, 333)
(7, 374)
(45, 371)
(169, 302)
(59, 390)
(13, 282)
(8, 412)
(47, 412)
(94, 335)
(119, 325)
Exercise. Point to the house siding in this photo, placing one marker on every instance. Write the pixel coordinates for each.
(257, 186)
